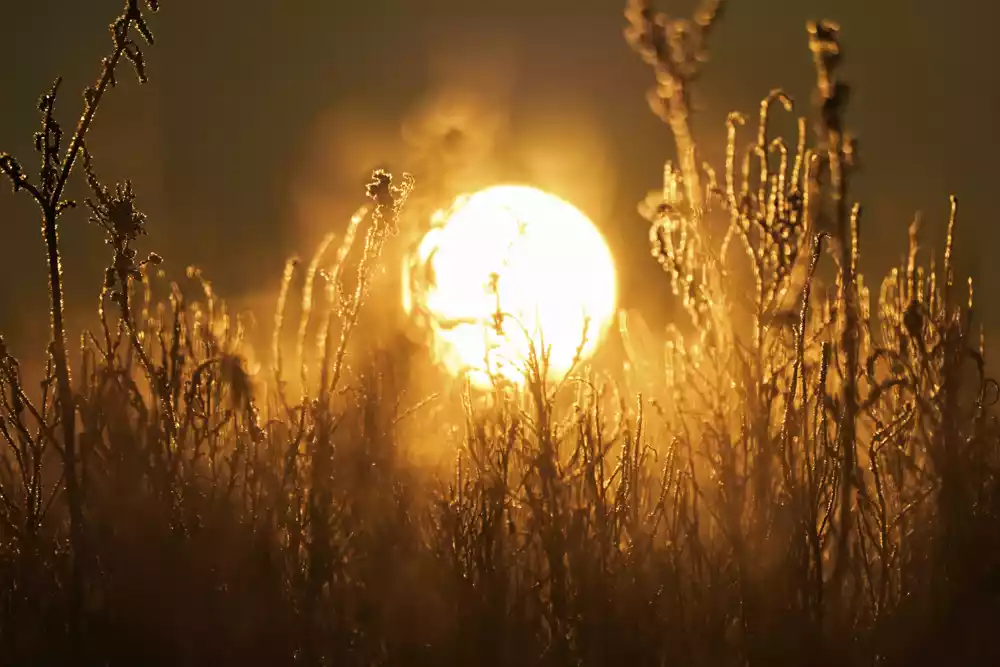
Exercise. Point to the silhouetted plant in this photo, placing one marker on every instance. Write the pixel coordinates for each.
(54, 174)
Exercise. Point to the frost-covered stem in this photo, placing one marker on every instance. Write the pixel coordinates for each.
(824, 42)
(56, 169)
(64, 387)
(681, 128)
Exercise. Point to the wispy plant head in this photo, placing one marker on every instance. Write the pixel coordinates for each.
(114, 211)
(388, 198)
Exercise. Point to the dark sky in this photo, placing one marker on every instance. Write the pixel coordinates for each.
(261, 120)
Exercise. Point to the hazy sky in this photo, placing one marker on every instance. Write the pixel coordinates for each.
(261, 119)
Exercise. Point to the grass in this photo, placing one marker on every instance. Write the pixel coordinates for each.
(803, 473)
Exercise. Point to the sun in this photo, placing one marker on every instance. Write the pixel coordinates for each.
(505, 271)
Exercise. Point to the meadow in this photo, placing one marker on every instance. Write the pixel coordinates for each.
(801, 470)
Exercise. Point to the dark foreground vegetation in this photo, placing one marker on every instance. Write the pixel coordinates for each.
(805, 474)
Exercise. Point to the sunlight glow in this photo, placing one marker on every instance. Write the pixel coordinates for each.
(507, 268)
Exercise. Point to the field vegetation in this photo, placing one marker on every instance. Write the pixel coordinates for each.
(802, 472)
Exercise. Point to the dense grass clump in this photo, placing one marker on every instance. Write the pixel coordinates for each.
(802, 473)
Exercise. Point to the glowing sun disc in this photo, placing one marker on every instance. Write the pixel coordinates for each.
(524, 254)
